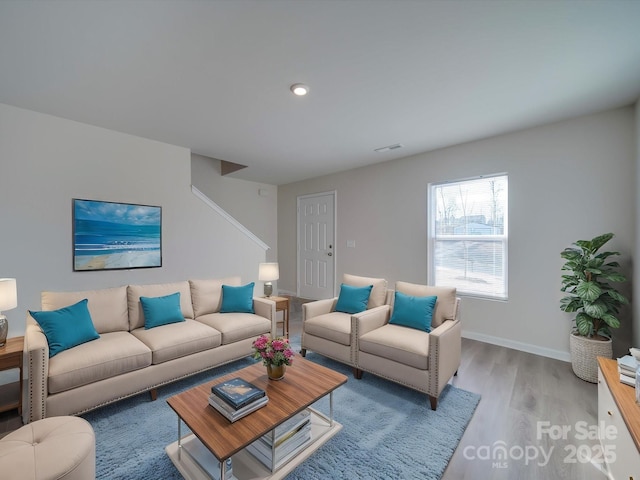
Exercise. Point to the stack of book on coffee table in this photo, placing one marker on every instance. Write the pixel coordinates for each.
(237, 398)
(288, 439)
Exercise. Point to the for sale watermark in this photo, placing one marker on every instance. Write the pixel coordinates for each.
(577, 443)
(500, 454)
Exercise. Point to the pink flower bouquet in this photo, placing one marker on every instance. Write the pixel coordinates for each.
(274, 352)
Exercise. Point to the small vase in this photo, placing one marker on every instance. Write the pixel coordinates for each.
(276, 372)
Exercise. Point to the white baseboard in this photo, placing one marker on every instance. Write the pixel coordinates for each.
(524, 347)
(503, 342)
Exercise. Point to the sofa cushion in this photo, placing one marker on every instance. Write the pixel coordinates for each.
(335, 326)
(353, 299)
(161, 310)
(176, 340)
(236, 326)
(445, 308)
(206, 295)
(378, 292)
(400, 344)
(134, 292)
(112, 354)
(237, 299)
(413, 312)
(66, 327)
(108, 307)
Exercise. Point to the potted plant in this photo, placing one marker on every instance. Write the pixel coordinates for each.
(589, 293)
(275, 354)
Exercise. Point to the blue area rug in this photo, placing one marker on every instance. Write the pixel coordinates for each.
(389, 431)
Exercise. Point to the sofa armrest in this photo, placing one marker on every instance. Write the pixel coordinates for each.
(36, 350)
(266, 308)
(445, 344)
(456, 315)
(370, 319)
(319, 307)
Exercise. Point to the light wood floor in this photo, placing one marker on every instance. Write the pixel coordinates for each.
(518, 390)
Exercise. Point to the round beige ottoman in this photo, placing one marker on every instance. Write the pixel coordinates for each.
(49, 449)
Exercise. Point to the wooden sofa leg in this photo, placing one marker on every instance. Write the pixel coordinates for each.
(434, 402)
(154, 394)
(303, 352)
(357, 373)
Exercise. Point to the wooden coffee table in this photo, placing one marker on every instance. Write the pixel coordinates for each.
(214, 439)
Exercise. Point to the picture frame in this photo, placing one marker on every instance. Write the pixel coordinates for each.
(115, 236)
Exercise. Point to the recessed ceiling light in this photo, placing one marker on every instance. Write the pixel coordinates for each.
(299, 89)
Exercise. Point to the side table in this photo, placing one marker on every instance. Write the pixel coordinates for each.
(282, 305)
(11, 357)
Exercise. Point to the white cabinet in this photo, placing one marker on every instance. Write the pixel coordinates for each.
(618, 445)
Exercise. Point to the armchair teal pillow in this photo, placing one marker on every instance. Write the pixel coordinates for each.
(237, 299)
(161, 310)
(353, 299)
(413, 312)
(67, 327)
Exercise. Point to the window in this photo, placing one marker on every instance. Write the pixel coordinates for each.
(468, 235)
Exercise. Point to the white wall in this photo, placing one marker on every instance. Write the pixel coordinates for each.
(46, 161)
(567, 181)
(636, 271)
(253, 204)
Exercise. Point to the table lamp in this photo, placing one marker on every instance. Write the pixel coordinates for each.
(267, 272)
(8, 300)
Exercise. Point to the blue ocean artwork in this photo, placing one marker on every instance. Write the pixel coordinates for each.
(110, 235)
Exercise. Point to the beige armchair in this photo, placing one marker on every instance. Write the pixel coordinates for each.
(414, 358)
(332, 333)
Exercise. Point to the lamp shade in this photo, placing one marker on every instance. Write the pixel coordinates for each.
(268, 272)
(8, 294)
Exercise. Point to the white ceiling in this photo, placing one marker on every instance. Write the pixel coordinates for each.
(214, 76)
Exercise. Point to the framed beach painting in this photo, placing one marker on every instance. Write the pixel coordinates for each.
(116, 236)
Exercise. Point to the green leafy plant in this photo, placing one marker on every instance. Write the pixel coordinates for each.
(588, 287)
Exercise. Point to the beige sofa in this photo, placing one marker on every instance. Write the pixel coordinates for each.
(128, 359)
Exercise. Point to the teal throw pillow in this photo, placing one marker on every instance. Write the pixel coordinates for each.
(67, 327)
(237, 299)
(413, 312)
(353, 299)
(161, 310)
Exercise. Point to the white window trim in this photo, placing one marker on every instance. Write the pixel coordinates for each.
(431, 226)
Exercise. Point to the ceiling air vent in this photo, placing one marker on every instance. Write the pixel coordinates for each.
(388, 148)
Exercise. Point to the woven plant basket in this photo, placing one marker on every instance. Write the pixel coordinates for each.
(583, 356)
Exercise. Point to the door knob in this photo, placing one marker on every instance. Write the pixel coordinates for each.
(330, 254)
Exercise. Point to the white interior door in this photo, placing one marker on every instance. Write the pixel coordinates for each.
(316, 246)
